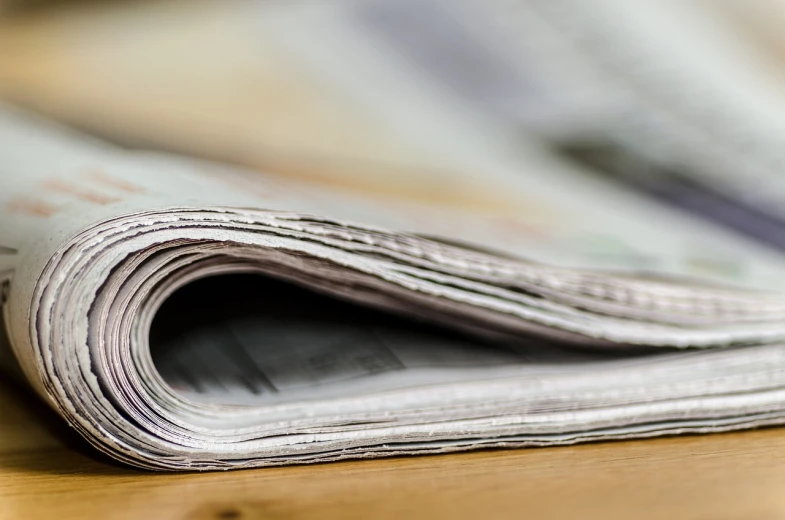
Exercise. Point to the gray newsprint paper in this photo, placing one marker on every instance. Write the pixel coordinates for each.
(185, 315)
(673, 102)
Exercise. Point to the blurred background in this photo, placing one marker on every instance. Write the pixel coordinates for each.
(467, 107)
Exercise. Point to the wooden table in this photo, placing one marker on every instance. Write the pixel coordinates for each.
(45, 472)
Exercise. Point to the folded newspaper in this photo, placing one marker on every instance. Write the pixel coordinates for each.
(184, 315)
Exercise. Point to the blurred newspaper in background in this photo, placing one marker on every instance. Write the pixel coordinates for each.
(413, 98)
(579, 191)
(463, 106)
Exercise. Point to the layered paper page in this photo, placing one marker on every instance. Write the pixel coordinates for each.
(183, 314)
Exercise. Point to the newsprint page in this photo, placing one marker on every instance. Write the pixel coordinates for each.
(187, 315)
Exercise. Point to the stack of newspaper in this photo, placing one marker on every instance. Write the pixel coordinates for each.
(183, 314)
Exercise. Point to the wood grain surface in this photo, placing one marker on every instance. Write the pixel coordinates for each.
(45, 472)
